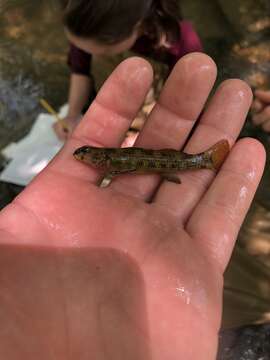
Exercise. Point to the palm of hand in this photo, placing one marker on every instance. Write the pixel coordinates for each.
(123, 276)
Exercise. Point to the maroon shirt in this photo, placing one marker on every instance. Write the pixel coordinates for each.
(80, 61)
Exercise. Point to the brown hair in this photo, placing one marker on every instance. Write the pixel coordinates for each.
(112, 21)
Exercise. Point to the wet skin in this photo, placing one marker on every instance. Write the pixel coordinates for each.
(134, 270)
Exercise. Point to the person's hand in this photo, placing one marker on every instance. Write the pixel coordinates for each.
(261, 109)
(64, 128)
(134, 270)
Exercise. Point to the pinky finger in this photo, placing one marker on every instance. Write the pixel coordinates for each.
(216, 220)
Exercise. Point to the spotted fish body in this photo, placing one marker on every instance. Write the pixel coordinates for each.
(116, 161)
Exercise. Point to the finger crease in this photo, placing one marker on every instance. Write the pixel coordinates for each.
(172, 112)
(86, 140)
(128, 116)
(222, 133)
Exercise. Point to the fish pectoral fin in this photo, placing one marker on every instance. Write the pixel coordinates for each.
(112, 174)
(172, 178)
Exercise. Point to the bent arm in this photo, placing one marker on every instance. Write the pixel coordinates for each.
(79, 92)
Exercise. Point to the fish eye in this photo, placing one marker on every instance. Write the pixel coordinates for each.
(82, 150)
(86, 149)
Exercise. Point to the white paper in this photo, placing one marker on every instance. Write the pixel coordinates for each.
(31, 154)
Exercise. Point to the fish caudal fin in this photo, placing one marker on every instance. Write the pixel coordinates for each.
(218, 153)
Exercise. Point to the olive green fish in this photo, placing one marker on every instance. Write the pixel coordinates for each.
(166, 162)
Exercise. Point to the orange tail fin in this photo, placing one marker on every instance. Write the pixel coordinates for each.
(218, 153)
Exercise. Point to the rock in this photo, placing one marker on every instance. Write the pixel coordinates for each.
(245, 343)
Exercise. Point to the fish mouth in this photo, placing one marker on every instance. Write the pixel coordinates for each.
(79, 157)
(79, 154)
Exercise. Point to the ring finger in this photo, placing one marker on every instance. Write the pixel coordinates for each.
(223, 119)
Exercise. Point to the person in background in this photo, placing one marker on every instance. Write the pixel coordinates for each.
(151, 28)
(261, 109)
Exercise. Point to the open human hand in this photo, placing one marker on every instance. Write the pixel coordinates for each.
(134, 270)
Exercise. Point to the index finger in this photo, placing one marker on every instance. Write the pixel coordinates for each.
(109, 116)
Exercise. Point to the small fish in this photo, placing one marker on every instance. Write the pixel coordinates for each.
(166, 162)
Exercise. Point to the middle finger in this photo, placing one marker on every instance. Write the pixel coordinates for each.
(169, 124)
